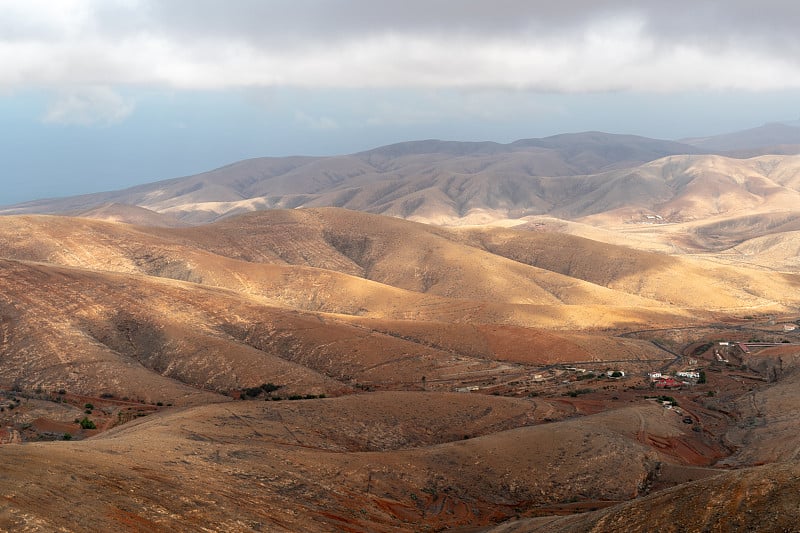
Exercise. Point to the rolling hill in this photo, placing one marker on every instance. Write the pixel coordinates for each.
(283, 345)
(599, 179)
(425, 180)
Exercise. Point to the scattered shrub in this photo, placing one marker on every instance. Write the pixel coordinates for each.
(669, 399)
(270, 387)
(88, 406)
(67, 436)
(87, 424)
(252, 392)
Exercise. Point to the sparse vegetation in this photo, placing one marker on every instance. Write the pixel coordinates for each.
(669, 399)
(85, 423)
(575, 393)
(254, 392)
(255, 462)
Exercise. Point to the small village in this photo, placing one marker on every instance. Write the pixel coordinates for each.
(692, 364)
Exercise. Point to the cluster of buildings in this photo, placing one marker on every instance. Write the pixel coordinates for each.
(665, 381)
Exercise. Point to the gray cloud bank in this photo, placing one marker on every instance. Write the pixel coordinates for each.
(565, 46)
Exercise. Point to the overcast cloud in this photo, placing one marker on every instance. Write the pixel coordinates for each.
(102, 94)
(565, 46)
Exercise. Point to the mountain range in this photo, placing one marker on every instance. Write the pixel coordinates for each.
(425, 336)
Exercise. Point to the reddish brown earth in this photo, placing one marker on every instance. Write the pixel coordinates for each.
(323, 370)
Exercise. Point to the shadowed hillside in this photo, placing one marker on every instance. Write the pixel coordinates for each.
(433, 181)
(624, 354)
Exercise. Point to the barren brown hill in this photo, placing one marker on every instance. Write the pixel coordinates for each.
(130, 214)
(684, 189)
(771, 134)
(304, 466)
(443, 184)
(427, 180)
(183, 343)
(495, 263)
(497, 275)
(473, 283)
(179, 342)
(776, 252)
(754, 499)
(748, 499)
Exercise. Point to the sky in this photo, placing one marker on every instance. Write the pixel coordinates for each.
(99, 95)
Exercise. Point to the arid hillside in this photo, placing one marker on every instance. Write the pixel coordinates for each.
(374, 462)
(745, 496)
(347, 262)
(429, 181)
(620, 356)
(601, 179)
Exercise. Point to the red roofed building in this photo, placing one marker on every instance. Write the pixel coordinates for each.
(667, 383)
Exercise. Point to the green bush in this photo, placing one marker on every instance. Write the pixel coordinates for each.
(269, 387)
(87, 424)
(669, 399)
(252, 392)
